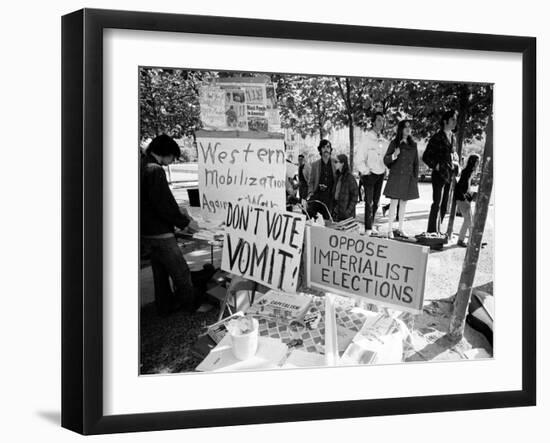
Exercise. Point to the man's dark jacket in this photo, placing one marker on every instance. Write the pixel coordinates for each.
(439, 152)
(159, 212)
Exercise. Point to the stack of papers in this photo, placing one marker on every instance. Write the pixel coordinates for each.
(281, 305)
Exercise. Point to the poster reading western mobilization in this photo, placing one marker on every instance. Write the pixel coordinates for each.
(250, 170)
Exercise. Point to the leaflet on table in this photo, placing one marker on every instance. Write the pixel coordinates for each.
(210, 230)
(268, 356)
(302, 359)
(213, 236)
(283, 305)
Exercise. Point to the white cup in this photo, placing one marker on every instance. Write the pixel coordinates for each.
(244, 346)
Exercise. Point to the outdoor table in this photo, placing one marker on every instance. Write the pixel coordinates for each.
(313, 340)
(193, 239)
(349, 321)
(204, 236)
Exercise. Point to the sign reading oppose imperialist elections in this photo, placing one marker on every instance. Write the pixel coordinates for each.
(263, 245)
(233, 169)
(385, 272)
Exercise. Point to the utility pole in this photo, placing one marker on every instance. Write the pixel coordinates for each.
(464, 292)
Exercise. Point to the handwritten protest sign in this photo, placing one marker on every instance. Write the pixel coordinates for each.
(232, 168)
(385, 272)
(263, 245)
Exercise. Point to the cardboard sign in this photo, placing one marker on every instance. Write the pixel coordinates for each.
(385, 272)
(263, 245)
(233, 169)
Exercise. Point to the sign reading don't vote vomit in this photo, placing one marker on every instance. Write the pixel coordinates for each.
(385, 272)
(263, 244)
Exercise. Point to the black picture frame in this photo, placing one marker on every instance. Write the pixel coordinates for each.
(82, 218)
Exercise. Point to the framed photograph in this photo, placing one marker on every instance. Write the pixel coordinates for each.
(269, 221)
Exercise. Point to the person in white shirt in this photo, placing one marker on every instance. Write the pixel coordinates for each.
(370, 164)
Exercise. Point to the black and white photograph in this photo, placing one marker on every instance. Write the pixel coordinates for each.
(257, 222)
(307, 221)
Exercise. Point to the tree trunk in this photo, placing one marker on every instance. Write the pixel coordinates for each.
(464, 292)
(351, 123)
(463, 101)
(351, 143)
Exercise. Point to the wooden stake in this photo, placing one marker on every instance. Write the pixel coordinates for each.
(462, 298)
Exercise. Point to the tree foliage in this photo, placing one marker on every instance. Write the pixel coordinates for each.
(308, 104)
(168, 100)
(311, 105)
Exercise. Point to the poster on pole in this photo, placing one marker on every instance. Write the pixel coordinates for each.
(213, 109)
(233, 169)
(385, 272)
(263, 245)
(272, 110)
(235, 109)
(242, 103)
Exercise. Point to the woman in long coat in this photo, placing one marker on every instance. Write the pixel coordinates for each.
(346, 190)
(402, 185)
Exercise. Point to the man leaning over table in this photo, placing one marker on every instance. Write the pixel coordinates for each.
(159, 215)
(370, 164)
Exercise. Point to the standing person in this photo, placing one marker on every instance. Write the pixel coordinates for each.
(439, 157)
(370, 165)
(464, 196)
(321, 179)
(291, 184)
(159, 214)
(303, 176)
(346, 191)
(402, 185)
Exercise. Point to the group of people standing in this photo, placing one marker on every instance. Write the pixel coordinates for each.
(329, 181)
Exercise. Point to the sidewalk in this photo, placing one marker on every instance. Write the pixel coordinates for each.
(445, 266)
